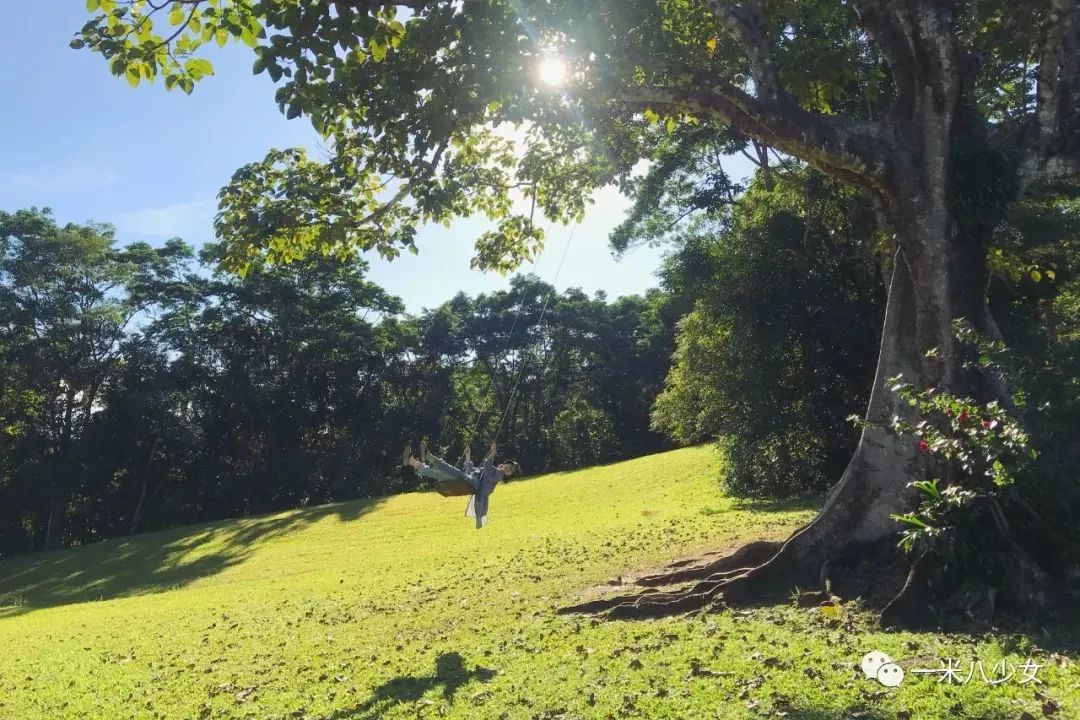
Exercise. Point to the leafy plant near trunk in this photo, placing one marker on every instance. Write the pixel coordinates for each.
(976, 517)
(982, 447)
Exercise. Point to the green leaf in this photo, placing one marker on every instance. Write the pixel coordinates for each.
(910, 520)
(176, 15)
(132, 75)
(651, 116)
(92, 5)
(198, 68)
(1036, 275)
(378, 50)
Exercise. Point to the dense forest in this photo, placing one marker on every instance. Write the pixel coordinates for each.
(143, 388)
(146, 387)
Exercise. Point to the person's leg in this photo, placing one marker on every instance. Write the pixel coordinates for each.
(440, 470)
(446, 470)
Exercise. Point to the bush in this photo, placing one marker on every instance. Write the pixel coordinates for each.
(781, 343)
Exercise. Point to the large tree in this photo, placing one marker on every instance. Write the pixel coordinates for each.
(943, 112)
(67, 298)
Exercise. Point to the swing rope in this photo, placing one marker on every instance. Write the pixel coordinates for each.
(509, 338)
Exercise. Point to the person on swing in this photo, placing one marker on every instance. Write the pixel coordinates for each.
(479, 482)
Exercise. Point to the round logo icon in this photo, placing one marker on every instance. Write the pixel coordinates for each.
(890, 675)
(876, 665)
(872, 662)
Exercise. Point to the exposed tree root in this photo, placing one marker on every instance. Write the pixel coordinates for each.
(929, 595)
(746, 557)
(738, 585)
(908, 607)
(857, 516)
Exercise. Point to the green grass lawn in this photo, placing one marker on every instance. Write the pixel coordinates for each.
(399, 608)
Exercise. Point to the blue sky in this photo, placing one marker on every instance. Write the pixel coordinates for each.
(86, 144)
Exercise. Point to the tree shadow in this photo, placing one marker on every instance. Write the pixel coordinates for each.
(804, 502)
(154, 562)
(450, 672)
(864, 711)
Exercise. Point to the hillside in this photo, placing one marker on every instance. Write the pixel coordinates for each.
(398, 607)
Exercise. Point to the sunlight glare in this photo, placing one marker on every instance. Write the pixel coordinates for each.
(552, 71)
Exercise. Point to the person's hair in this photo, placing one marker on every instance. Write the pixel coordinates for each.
(515, 469)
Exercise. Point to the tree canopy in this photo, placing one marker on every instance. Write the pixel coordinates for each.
(412, 98)
(943, 114)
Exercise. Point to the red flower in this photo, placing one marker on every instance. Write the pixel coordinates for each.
(986, 424)
(923, 446)
(963, 416)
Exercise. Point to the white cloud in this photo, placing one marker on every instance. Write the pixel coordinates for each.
(191, 220)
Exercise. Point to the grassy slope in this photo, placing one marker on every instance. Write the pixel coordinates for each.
(399, 608)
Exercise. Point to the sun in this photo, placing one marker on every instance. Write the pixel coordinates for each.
(553, 71)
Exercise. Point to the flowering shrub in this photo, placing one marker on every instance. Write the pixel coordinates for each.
(982, 449)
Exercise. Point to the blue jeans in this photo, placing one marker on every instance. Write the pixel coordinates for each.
(439, 469)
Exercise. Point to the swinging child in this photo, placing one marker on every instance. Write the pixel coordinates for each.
(477, 482)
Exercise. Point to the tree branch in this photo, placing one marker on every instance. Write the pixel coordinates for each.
(746, 23)
(1052, 147)
(850, 150)
(369, 5)
(886, 30)
(842, 148)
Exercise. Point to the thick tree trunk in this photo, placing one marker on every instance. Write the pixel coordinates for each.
(140, 505)
(936, 278)
(137, 513)
(906, 162)
(54, 518)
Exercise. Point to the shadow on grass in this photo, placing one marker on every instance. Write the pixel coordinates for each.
(154, 562)
(863, 711)
(450, 672)
(853, 712)
(810, 502)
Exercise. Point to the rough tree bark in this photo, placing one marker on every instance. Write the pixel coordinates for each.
(938, 272)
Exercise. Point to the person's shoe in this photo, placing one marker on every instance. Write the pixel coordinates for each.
(424, 456)
(406, 456)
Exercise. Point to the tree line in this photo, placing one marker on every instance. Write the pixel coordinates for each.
(145, 388)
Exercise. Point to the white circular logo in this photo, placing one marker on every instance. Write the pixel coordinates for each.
(872, 662)
(890, 675)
